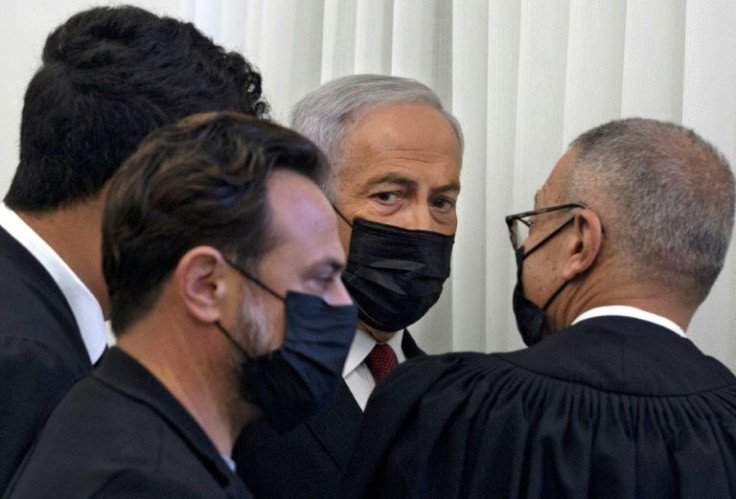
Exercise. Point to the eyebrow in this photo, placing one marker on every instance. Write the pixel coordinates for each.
(454, 186)
(393, 178)
(333, 264)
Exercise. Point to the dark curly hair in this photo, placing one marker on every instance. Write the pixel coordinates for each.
(109, 77)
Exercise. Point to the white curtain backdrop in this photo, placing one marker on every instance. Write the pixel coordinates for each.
(524, 77)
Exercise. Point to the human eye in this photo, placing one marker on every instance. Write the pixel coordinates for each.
(324, 279)
(387, 197)
(321, 280)
(444, 204)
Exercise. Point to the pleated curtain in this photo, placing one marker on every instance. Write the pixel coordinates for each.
(524, 77)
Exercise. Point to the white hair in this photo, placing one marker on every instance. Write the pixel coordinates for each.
(665, 196)
(327, 114)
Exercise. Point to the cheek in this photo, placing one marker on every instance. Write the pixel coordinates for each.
(271, 329)
(538, 279)
(264, 328)
(451, 220)
(344, 231)
(278, 328)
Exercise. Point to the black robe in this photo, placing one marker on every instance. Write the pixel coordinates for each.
(610, 407)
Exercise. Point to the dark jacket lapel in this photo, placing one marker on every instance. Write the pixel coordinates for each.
(16, 260)
(337, 425)
(410, 347)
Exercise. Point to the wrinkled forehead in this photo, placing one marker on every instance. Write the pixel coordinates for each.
(405, 125)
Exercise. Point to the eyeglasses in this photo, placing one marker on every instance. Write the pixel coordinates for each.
(520, 223)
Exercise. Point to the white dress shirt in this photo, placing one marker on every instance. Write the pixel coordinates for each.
(229, 462)
(85, 307)
(356, 373)
(636, 313)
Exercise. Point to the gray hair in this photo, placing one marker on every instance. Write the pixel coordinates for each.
(326, 115)
(665, 197)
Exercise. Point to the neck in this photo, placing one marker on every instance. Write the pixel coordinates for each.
(191, 363)
(75, 234)
(379, 336)
(653, 297)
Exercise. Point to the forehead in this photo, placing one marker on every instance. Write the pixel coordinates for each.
(404, 135)
(404, 125)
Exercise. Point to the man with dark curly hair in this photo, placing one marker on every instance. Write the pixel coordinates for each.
(109, 76)
(223, 263)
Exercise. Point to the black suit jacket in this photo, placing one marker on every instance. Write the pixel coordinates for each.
(41, 351)
(309, 460)
(120, 433)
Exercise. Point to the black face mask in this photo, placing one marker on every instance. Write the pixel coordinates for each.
(529, 317)
(292, 383)
(395, 275)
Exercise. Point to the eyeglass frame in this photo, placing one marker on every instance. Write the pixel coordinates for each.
(511, 219)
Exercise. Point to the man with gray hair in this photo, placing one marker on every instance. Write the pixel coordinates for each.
(396, 155)
(612, 399)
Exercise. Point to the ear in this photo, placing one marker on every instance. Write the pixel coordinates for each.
(583, 245)
(200, 277)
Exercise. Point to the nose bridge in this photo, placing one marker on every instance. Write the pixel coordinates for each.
(419, 217)
(340, 295)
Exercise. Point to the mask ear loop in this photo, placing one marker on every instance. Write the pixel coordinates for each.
(547, 238)
(232, 340)
(342, 216)
(554, 295)
(255, 280)
(521, 256)
(258, 282)
(249, 359)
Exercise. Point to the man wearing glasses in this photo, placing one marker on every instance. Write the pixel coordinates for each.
(612, 399)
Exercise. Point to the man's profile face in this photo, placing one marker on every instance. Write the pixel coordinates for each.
(540, 275)
(401, 167)
(307, 256)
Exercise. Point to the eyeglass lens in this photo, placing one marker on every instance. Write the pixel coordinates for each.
(519, 232)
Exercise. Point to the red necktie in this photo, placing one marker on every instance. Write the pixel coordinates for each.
(381, 360)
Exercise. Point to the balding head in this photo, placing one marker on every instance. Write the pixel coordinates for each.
(665, 198)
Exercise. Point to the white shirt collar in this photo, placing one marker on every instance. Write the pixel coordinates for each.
(626, 311)
(85, 307)
(362, 345)
(229, 462)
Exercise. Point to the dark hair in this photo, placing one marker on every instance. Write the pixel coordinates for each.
(199, 182)
(109, 77)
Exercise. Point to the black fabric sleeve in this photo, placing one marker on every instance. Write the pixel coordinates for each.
(32, 381)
